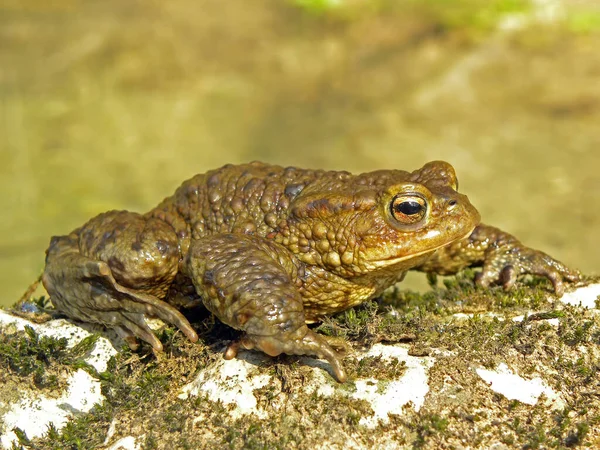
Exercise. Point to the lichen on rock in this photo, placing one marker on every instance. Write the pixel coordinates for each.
(456, 366)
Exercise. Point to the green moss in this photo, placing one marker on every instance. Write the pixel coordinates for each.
(426, 426)
(29, 354)
(143, 391)
(577, 436)
(151, 441)
(374, 367)
(86, 431)
(533, 429)
(299, 424)
(21, 437)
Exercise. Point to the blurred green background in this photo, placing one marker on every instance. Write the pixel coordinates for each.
(113, 104)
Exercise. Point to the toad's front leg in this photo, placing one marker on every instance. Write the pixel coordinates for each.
(502, 258)
(248, 282)
(115, 270)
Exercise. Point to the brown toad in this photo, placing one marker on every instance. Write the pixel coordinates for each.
(268, 249)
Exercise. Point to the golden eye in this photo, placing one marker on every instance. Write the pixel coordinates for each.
(408, 209)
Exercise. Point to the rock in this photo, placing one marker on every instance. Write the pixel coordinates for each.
(33, 411)
(506, 377)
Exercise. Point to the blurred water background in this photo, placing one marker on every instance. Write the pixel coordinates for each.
(112, 104)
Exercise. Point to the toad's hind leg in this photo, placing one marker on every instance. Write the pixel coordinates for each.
(246, 281)
(114, 271)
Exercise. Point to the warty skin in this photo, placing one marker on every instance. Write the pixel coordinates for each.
(269, 249)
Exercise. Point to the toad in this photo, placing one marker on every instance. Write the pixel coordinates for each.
(269, 249)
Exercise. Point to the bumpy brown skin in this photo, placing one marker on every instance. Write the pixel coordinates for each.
(268, 249)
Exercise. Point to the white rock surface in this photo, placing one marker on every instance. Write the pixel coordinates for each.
(33, 412)
(231, 382)
(585, 296)
(412, 387)
(554, 321)
(513, 387)
(234, 382)
(98, 357)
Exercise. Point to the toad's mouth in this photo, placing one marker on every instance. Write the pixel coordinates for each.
(394, 260)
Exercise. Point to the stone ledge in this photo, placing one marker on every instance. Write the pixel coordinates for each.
(454, 396)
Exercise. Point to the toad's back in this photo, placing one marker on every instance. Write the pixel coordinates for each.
(250, 198)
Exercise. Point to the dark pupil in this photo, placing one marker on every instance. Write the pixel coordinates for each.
(409, 208)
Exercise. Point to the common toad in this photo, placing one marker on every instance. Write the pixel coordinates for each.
(269, 249)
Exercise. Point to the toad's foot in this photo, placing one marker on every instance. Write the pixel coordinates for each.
(309, 344)
(502, 257)
(86, 290)
(247, 284)
(113, 271)
(506, 263)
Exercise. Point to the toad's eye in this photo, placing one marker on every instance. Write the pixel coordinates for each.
(408, 209)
